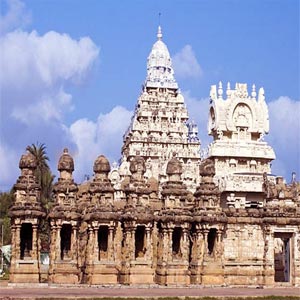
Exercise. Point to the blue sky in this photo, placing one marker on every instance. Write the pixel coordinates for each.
(72, 70)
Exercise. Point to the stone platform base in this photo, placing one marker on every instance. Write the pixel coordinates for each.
(25, 271)
(137, 274)
(102, 274)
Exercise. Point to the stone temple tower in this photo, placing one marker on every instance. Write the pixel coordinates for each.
(159, 128)
(238, 124)
(26, 213)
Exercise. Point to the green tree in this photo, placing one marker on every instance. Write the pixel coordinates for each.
(6, 200)
(45, 179)
(43, 173)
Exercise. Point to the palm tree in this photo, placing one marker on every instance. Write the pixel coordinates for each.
(43, 172)
(45, 179)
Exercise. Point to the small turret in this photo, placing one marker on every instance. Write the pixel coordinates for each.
(66, 165)
(101, 167)
(174, 169)
(27, 164)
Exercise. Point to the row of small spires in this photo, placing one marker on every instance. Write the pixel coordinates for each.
(237, 88)
(101, 164)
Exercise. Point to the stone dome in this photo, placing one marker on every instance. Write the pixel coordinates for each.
(66, 162)
(174, 166)
(27, 161)
(137, 165)
(101, 165)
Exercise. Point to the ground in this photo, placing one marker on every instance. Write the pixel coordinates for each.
(44, 291)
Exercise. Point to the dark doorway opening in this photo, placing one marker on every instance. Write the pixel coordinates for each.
(211, 240)
(176, 240)
(103, 242)
(26, 240)
(282, 257)
(140, 248)
(65, 241)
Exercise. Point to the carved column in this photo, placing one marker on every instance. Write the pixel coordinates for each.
(170, 244)
(132, 243)
(34, 254)
(218, 249)
(185, 245)
(148, 243)
(200, 244)
(117, 243)
(14, 245)
(268, 256)
(205, 234)
(74, 247)
(18, 241)
(90, 245)
(96, 254)
(165, 244)
(154, 244)
(58, 250)
(110, 244)
(52, 253)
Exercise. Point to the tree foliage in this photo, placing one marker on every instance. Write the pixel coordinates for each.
(6, 200)
(43, 173)
(45, 179)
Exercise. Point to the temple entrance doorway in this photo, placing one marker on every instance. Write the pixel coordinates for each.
(282, 257)
(65, 241)
(26, 240)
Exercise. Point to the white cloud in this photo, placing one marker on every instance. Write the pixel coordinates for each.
(185, 63)
(284, 136)
(16, 16)
(8, 159)
(35, 70)
(101, 137)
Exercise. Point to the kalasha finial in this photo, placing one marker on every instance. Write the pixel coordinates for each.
(220, 90)
(159, 33)
(253, 93)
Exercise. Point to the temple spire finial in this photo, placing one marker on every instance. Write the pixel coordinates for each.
(159, 32)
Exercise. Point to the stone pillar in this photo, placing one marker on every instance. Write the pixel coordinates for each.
(90, 246)
(18, 241)
(205, 234)
(297, 257)
(218, 251)
(74, 247)
(34, 252)
(110, 243)
(185, 245)
(96, 253)
(14, 244)
(170, 244)
(269, 269)
(148, 254)
(118, 243)
(165, 244)
(154, 239)
(132, 242)
(52, 254)
(58, 250)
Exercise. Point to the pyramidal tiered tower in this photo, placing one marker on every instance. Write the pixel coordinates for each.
(159, 129)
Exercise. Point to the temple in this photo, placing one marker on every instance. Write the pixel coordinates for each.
(165, 215)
